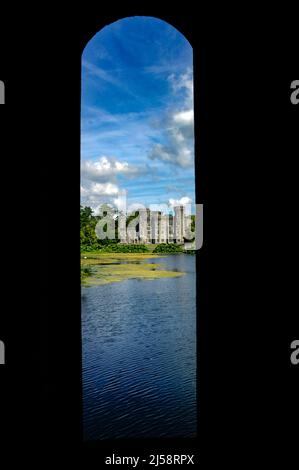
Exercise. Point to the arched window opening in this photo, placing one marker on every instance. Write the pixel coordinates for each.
(138, 232)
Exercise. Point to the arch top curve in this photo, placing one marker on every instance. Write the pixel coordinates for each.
(180, 28)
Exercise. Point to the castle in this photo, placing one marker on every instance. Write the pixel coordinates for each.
(155, 227)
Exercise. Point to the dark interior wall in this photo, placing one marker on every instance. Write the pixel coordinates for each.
(61, 321)
(61, 385)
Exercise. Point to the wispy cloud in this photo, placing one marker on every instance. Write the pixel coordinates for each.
(100, 74)
(111, 78)
(162, 68)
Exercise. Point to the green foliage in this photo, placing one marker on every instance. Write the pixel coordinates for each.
(168, 248)
(88, 239)
(87, 227)
(119, 248)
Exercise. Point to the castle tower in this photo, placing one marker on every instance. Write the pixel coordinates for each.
(179, 222)
(144, 225)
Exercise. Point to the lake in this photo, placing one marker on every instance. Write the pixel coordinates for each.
(139, 356)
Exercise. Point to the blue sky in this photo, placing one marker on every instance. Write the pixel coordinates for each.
(137, 116)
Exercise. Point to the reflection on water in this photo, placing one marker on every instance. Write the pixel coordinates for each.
(139, 356)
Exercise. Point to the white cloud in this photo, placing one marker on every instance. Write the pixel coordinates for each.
(103, 189)
(183, 83)
(102, 181)
(120, 202)
(135, 206)
(106, 169)
(94, 194)
(180, 202)
(178, 148)
(183, 201)
(184, 117)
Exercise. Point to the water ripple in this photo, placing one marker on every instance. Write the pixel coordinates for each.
(139, 356)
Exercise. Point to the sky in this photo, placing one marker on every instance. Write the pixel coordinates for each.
(137, 123)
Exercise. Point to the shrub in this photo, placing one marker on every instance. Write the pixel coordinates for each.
(168, 248)
(117, 248)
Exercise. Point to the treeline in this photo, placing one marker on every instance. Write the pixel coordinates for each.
(122, 248)
(90, 242)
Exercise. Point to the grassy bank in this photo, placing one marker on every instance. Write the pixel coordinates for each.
(102, 268)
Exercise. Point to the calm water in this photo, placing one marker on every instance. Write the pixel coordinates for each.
(139, 356)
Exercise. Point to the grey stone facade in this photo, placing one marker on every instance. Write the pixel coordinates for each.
(155, 227)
